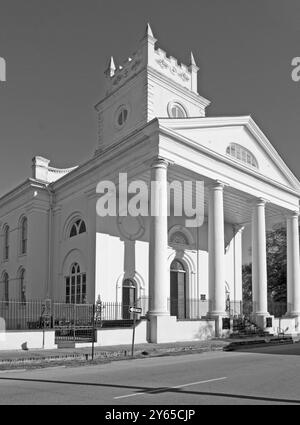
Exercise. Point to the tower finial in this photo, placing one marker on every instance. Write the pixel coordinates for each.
(193, 62)
(148, 31)
(111, 67)
(193, 68)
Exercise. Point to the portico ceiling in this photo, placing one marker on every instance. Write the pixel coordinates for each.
(237, 204)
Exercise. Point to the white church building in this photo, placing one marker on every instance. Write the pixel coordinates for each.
(153, 128)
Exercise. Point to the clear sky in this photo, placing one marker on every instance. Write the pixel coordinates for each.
(56, 52)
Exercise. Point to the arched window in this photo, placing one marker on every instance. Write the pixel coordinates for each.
(122, 116)
(23, 286)
(242, 154)
(76, 286)
(5, 242)
(77, 227)
(129, 297)
(176, 110)
(23, 235)
(5, 281)
(178, 290)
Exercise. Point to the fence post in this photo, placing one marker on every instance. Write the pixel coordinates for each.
(93, 332)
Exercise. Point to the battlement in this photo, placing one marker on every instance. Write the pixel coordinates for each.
(147, 56)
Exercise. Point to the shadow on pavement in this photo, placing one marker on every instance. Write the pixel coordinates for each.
(283, 349)
(159, 390)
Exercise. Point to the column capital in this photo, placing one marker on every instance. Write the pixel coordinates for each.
(258, 202)
(292, 214)
(160, 162)
(217, 185)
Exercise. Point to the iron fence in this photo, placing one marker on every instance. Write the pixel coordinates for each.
(19, 315)
(188, 309)
(41, 314)
(109, 311)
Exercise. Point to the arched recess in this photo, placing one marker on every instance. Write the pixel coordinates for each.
(190, 276)
(180, 236)
(73, 256)
(140, 285)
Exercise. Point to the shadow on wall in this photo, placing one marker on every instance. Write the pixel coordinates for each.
(205, 332)
(24, 346)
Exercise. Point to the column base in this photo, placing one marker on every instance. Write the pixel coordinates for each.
(264, 321)
(222, 330)
(158, 329)
(292, 315)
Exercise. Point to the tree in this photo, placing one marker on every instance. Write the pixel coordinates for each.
(276, 246)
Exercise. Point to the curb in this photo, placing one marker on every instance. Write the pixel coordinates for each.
(266, 342)
(103, 356)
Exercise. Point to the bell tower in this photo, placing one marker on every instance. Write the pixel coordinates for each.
(147, 85)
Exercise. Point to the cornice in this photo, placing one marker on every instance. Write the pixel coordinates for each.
(110, 152)
(20, 190)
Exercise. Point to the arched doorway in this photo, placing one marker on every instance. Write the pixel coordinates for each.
(178, 290)
(128, 297)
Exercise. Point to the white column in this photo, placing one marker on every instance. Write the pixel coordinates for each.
(159, 276)
(216, 249)
(259, 259)
(293, 266)
(238, 265)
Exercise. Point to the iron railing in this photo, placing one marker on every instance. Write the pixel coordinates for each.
(19, 315)
(40, 314)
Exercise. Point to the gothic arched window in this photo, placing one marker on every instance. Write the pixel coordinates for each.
(77, 228)
(5, 283)
(22, 286)
(242, 154)
(5, 242)
(76, 285)
(23, 235)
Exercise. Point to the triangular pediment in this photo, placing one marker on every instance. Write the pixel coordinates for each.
(216, 134)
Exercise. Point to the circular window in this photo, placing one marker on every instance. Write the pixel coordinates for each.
(131, 228)
(121, 115)
(175, 110)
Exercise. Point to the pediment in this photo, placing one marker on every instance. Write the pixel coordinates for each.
(216, 134)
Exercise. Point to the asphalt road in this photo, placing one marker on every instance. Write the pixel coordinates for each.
(254, 376)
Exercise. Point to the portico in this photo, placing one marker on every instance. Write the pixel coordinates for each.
(223, 204)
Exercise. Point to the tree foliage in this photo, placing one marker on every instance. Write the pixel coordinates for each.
(276, 245)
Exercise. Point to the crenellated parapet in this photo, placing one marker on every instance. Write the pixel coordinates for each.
(148, 57)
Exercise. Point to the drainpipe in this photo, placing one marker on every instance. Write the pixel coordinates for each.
(50, 240)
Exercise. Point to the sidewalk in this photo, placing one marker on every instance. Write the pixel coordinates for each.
(19, 358)
(39, 358)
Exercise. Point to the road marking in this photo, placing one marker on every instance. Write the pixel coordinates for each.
(170, 388)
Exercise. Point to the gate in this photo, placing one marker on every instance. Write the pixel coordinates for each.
(74, 323)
